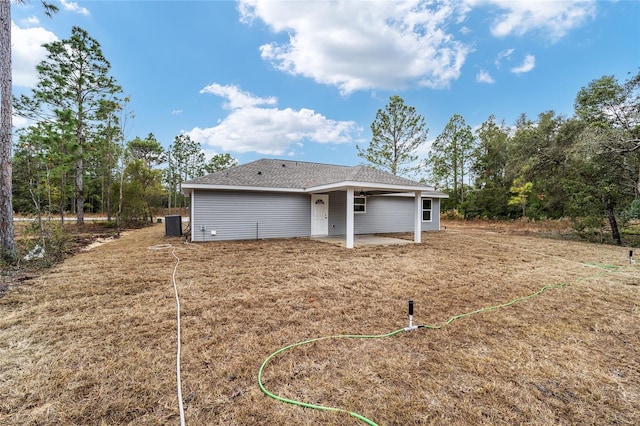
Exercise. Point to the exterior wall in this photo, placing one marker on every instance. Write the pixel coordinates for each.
(258, 215)
(337, 216)
(384, 214)
(434, 225)
(249, 215)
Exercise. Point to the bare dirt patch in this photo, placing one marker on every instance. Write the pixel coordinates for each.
(93, 340)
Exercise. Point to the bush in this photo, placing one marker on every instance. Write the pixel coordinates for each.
(633, 212)
(51, 237)
(451, 215)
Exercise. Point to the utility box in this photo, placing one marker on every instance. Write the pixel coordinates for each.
(173, 226)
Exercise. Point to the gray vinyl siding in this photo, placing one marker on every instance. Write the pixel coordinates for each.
(337, 213)
(259, 215)
(434, 225)
(384, 214)
(250, 215)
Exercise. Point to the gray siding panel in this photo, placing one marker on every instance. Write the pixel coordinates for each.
(250, 215)
(337, 213)
(434, 225)
(384, 214)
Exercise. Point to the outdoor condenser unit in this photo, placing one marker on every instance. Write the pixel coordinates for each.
(173, 226)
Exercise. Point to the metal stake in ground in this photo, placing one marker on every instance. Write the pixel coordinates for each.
(411, 326)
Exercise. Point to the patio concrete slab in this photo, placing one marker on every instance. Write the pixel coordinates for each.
(363, 240)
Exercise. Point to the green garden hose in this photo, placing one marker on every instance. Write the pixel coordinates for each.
(315, 406)
(376, 336)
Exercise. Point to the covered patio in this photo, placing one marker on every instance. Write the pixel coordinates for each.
(362, 240)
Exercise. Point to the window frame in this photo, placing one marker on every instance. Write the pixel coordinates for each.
(363, 204)
(430, 209)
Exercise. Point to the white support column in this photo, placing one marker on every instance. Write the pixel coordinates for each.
(350, 227)
(192, 213)
(417, 218)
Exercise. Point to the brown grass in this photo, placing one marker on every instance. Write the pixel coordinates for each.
(93, 341)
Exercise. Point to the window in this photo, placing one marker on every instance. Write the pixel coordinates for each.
(359, 204)
(426, 210)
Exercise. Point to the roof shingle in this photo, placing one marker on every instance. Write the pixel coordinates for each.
(268, 173)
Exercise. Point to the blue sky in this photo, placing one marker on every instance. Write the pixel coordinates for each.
(303, 80)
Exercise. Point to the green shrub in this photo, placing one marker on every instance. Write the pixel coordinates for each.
(453, 214)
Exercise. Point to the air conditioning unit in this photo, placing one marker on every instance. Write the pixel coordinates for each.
(173, 226)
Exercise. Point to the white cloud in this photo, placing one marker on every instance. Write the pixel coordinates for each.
(19, 122)
(251, 127)
(72, 6)
(363, 45)
(528, 64)
(484, 77)
(31, 21)
(237, 98)
(27, 52)
(551, 18)
(505, 54)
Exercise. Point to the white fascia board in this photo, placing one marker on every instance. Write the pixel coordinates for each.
(365, 185)
(435, 194)
(205, 186)
(187, 187)
(424, 194)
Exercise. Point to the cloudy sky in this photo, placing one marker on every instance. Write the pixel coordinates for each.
(303, 79)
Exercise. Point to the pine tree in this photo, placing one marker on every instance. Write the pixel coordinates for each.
(397, 132)
(7, 245)
(74, 89)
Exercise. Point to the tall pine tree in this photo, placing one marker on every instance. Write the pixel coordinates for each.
(74, 89)
(7, 245)
(397, 132)
(450, 156)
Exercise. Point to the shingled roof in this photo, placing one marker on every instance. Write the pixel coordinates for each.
(287, 174)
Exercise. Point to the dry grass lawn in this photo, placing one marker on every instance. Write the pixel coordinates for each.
(93, 341)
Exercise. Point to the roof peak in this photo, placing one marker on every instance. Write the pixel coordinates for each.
(294, 175)
(277, 160)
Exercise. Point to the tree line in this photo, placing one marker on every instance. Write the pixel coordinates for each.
(585, 167)
(74, 158)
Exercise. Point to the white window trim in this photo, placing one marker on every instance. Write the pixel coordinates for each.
(429, 210)
(364, 198)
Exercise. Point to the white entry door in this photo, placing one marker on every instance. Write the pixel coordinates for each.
(319, 214)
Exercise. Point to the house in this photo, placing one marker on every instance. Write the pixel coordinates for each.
(283, 199)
